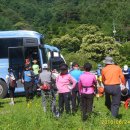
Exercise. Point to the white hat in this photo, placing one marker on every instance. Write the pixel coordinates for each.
(44, 66)
(125, 67)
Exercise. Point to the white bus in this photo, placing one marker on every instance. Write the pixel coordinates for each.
(15, 47)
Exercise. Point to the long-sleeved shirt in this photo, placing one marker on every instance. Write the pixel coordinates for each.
(112, 75)
(86, 83)
(45, 76)
(76, 74)
(65, 83)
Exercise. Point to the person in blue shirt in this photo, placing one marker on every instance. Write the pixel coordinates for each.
(99, 77)
(27, 80)
(75, 73)
(126, 72)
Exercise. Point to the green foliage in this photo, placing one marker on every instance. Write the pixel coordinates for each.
(67, 43)
(125, 51)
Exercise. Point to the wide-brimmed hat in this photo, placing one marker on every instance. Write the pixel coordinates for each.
(34, 61)
(108, 60)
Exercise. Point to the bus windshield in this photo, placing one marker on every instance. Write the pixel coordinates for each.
(9, 42)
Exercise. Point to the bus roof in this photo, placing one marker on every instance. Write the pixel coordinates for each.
(20, 33)
(51, 48)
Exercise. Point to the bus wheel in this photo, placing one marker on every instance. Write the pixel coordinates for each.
(3, 89)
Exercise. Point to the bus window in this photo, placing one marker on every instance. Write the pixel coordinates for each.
(9, 42)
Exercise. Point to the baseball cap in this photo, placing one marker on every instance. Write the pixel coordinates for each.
(44, 66)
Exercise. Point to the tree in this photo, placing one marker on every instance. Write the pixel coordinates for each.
(98, 46)
(67, 43)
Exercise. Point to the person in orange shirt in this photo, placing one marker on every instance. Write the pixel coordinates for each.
(112, 77)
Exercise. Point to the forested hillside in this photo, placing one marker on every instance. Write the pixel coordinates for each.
(82, 26)
(55, 17)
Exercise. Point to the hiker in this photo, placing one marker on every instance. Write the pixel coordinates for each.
(75, 73)
(36, 70)
(112, 77)
(126, 72)
(27, 80)
(11, 82)
(87, 84)
(65, 83)
(45, 81)
(99, 76)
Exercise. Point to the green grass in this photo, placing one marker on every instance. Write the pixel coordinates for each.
(24, 117)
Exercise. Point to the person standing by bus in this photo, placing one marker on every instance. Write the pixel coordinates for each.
(45, 82)
(27, 79)
(75, 73)
(112, 77)
(36, 70)
(65, 83)
(11, 81)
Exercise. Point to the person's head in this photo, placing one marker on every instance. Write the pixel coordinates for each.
(64, 68)
(34, 61)
(87, 66)
(99, 66)
(27, 67)
(27, 61)
(125, 67)
(10, 70)
(44, 66)
(75, 65)
(108, 60)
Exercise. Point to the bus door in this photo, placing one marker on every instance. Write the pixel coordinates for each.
(16, 60)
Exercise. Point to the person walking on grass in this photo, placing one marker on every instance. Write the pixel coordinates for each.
(112, 77)
(27, 80)
(87, 84)
(75, 73)
(65, 83)
(45, 81)
(11, 81)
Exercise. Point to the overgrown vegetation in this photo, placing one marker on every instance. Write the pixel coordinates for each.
(31, 117)
(79, 27)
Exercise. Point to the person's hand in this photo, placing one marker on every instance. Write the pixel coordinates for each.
(22, 81)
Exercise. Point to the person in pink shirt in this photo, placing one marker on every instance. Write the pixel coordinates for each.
(87, 83)
(65, 83)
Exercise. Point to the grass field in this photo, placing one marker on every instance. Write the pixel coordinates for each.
(31, 117)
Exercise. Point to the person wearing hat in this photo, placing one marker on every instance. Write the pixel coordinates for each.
(45, 79)
(27, 78)
(75, 73)
(112, 77)
(65, 83)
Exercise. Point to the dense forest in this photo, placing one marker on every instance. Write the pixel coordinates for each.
(76, 26)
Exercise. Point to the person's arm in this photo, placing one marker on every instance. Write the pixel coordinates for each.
(79, 86)
(103, 77)
(73, 81)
